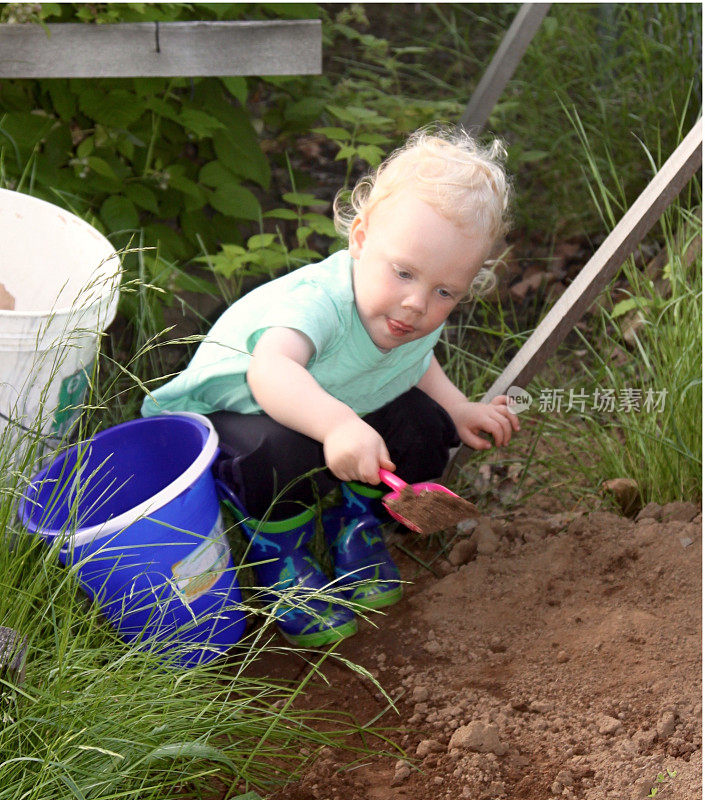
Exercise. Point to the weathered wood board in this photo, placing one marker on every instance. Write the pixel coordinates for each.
(504, 63)
(74, 50)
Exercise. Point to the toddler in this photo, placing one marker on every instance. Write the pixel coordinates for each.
(331, 366)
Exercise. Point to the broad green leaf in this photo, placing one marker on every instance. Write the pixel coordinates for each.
(215, 173)
(320, 224)
(119, 213)
(115, 109)
(242, 158)
(337, 134)
(62, 99)
(26, 129)
(623, 306)
(281, 213)
(126, 147)
(237, 86)
(302, 233)
(142, 196)
(86, 147)
(372, 138)
(238, 141)
(236, 201)
(187, 186)
(358, 115)
(199, 122)
(260, 240)
(163, 109)
(101, 167)
(370, 153)
(345, 152)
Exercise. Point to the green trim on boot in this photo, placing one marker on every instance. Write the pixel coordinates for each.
(283, 563)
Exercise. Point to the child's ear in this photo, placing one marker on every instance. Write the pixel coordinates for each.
(358, 234)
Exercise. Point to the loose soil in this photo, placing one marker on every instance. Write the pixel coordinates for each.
(552, 655)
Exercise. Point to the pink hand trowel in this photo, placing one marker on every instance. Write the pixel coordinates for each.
(424, 507)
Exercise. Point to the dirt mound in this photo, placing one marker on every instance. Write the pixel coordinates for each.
(557, 657)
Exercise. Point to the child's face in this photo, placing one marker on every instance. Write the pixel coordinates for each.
(411, 268)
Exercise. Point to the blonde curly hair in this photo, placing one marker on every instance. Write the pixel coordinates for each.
(462, 180)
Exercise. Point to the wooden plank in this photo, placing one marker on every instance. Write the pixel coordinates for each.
(504, 63)
(188, 49)
(598, 272)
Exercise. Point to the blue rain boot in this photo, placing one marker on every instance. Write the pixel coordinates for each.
(282, 545)
(357, 548)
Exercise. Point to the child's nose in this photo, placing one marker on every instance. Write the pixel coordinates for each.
(416, 301)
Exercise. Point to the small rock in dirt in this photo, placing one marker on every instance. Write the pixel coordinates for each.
(432, 647)
(666, 725)
(679, 512)
(428, 746)
(646, 534)
(497, 645)
(651, 511)
(478, 737)
(540, 707)
(402, 770)
(463, 551)
(608, 726)
(565, 777)
(562, 657)
(487, 539)
(558, 522)
(625, 491)
(466, 526)
(686, 541)
(642, 788)
(420, 695)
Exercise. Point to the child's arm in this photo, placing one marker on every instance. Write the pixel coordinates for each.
(470, 418)
(287, 391)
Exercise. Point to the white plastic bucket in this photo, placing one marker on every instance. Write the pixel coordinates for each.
(59, 290)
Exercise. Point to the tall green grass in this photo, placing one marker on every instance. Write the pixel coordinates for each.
(655, 437)
(96, 717)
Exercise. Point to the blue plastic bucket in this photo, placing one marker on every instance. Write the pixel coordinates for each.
(137, 513)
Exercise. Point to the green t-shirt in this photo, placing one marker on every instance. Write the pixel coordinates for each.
(317, 300)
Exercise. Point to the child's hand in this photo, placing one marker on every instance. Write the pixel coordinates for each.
(354, 451)
(493, 418)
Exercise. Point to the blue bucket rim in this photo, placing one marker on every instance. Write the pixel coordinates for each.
(172, 490)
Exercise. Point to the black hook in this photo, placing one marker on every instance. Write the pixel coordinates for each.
(156, 37)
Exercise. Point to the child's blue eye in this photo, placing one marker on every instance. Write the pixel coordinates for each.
(402, 273)
(445, 294)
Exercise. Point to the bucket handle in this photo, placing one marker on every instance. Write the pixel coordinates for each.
(228, 495)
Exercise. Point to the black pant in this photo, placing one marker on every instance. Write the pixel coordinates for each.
(259, 457)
